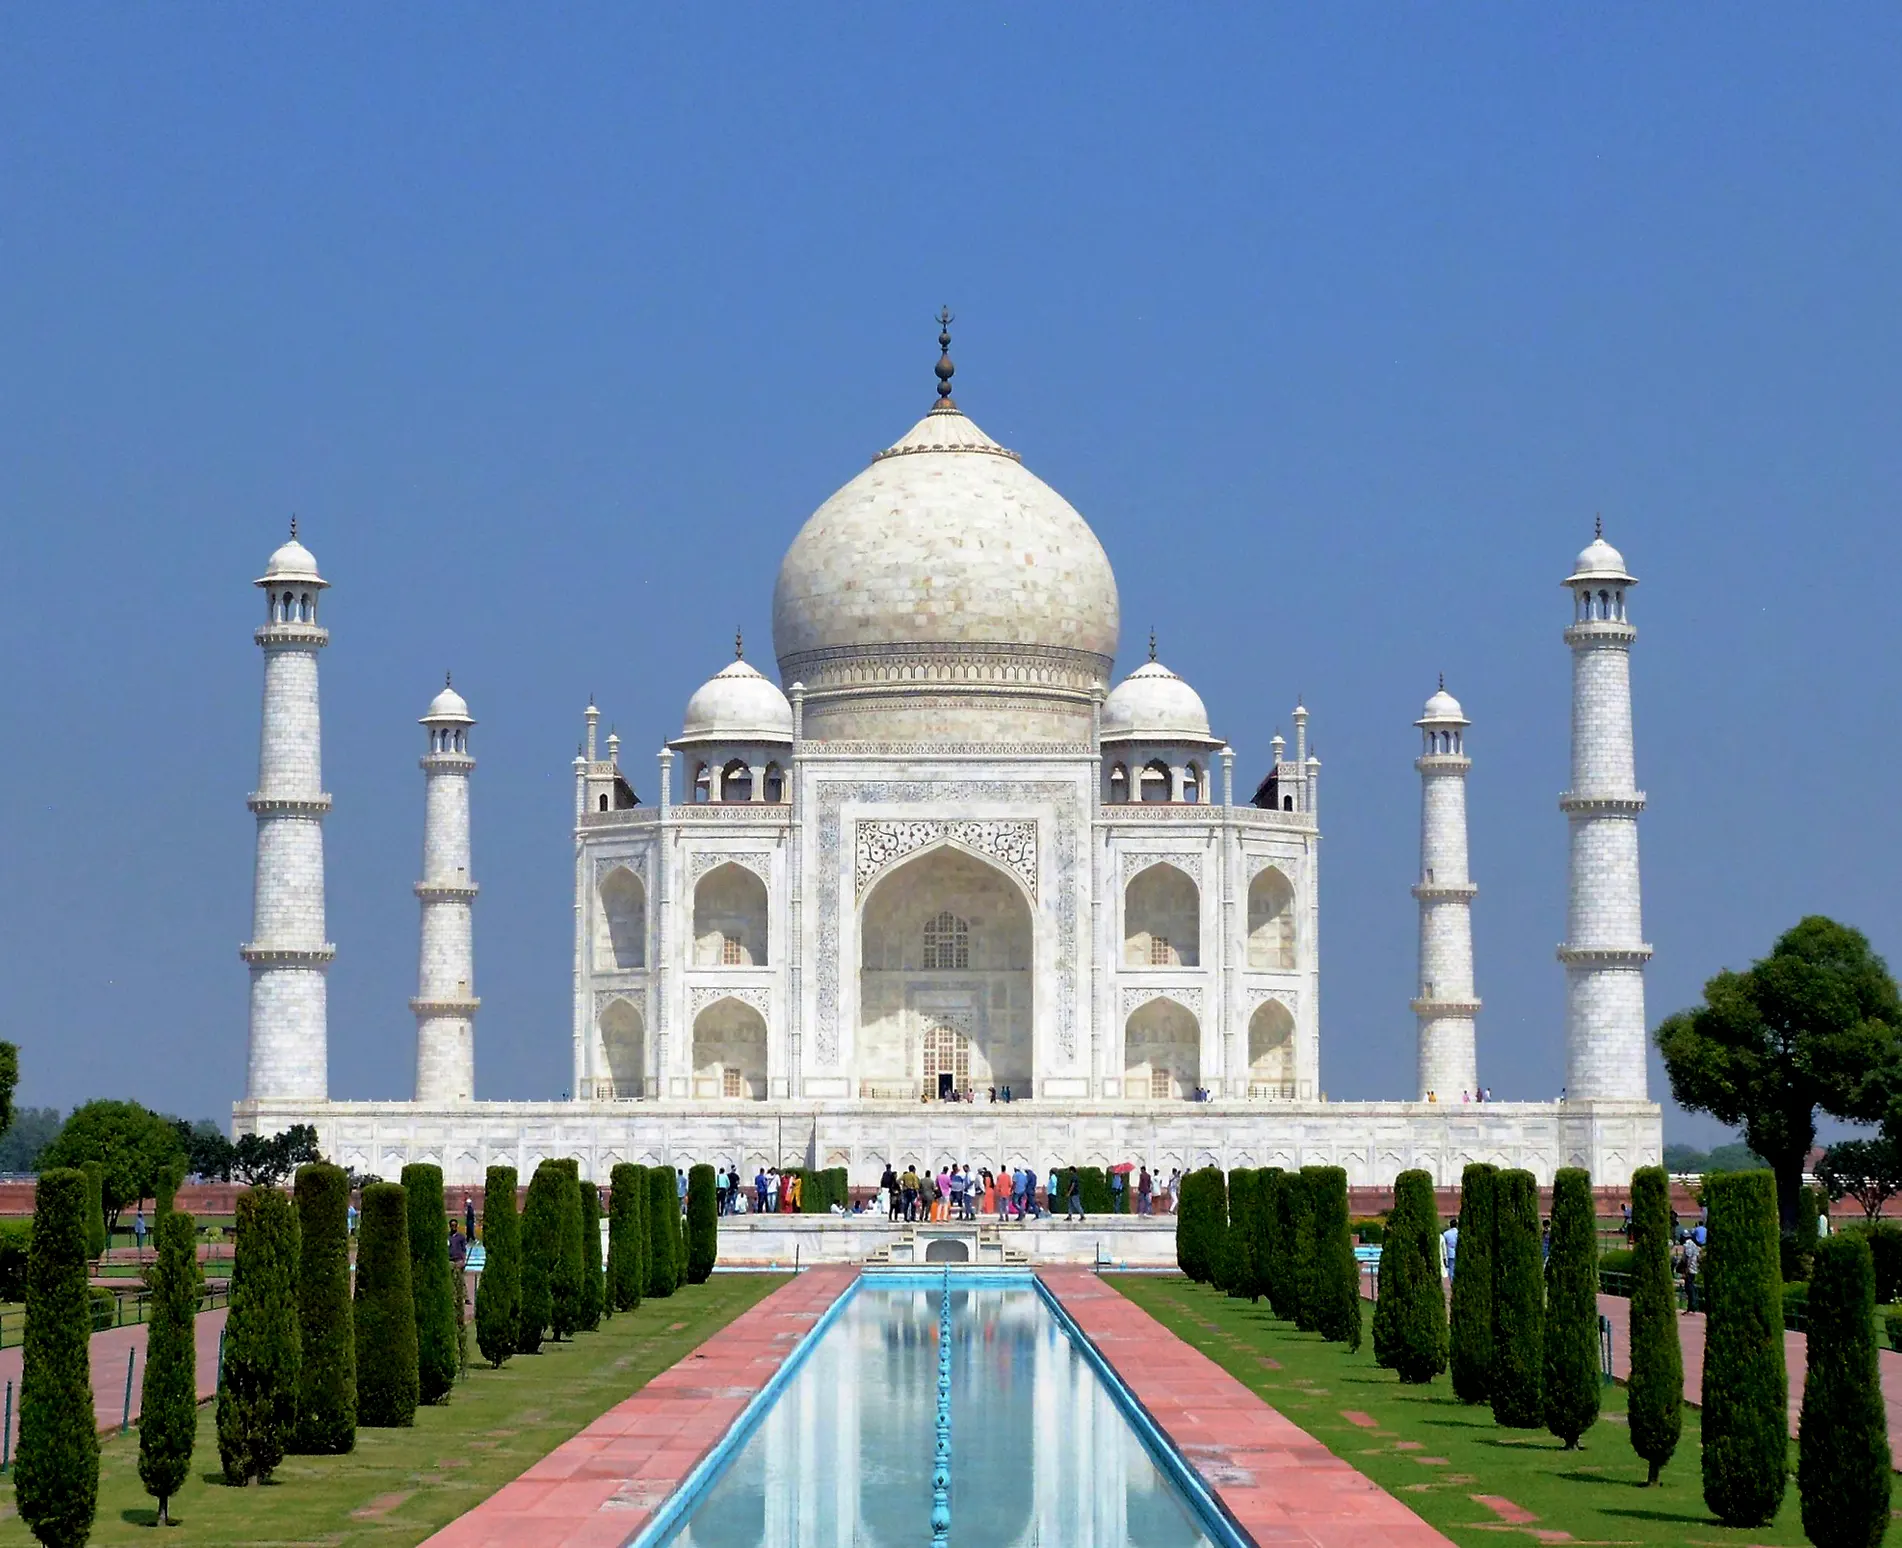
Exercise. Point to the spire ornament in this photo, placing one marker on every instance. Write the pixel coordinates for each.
(945, 369)
(739, 646)
(293, 526)
(1152, 644)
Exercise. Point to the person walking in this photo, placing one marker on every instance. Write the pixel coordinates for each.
(138, 1231)
(468, 1217)
(1073, 1205)
(908, 1192)
(1449, 1248)
(759, 1191)
(1693, 1256)
(1119, 1187)
(888, 1182)
(1145, 1191)
(680, 1187)
(772, 1190)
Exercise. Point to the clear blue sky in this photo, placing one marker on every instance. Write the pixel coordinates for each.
(1337, 328)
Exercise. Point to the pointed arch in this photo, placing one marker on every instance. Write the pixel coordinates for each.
(729, 1052)
(729, 918)
(1152, 782)
(1271, 922)
(736, 780)
(1162, 918)
(624, 1049)
(621, 934)
(1271, 1051)
(1162, 1051)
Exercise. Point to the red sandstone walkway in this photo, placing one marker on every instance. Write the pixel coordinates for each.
(109, 1351)
(1281, 1484)
(1690, 1333)
(599, 1489)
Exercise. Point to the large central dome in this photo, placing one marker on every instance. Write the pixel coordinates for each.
(946, 593)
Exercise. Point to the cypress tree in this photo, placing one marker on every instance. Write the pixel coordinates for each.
(1571, 1309)
(1239, 1280)
(168, 1400)
(1842, 1459)
(565, 1283)
(1283, 1297)
(594, 1281)
(432, 1282)
(499, 1288)
(327, 1372)
(1299, 1193)
(56, 1472)
(1417, 1330)
(1218, 1228)
(703, 1224)
(1655, 1404)
(1395, 1240)
(257, 1399)
(625, 1284)
(1470, 1337)
(1746, 1389)
(541, 1245)
(1518, 1367)
(643, 1231)
(662, 1203)
(170, 1177)
(96, 1237)
(1336, 1275)
(1263, 1231)
(1195, 1231)
(385, 1307)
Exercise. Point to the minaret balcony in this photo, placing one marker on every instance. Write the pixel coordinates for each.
(446, 892)
(291, 635)
(1605, 956)
(1600, 631)
(1602, 805)
(287, 956)
(296, 806)
(1446, 1007)
(445, 763)
(1443, 763)
(1445, 892)
(466, 1007)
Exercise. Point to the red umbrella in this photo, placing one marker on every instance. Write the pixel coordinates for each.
(1124, 1166)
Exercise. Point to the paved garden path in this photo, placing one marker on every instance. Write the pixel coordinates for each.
(1690, 1333)
(110, 1352)
(1281, 1484)
(599, 1489)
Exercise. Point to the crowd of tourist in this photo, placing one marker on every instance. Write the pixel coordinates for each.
(957, 1193)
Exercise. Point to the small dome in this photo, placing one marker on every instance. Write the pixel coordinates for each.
(738, 705)
(449, 705)
(292, 562)
(1443, 709)
(1153, 704)
(1600, 561)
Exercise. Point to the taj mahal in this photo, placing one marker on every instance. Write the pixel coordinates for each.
(949, 890)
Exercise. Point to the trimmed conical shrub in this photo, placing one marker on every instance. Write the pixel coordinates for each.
(1195, 1238)
(1746, 1388)
(1239, 1280)
(96, 1235)
(385, 1307)
(1842, 1461)
(1302, 1269)
(432, 1283)
(541, 1246)
(1571, 1309)
(703, 1224)
(499, 1286)
(257, 1399)
(56, 1472)
(1518, 1370)
(644, 1229)
(1416, 1326)
(1336, 1270)
(663, 1271)
(1470, 1335)
(1283, 1283)
(168, 1398)
(625, 1282)
(1656, 1401)
(564, 1284)
(327, 1335)
(594, 1279)
(1264, 1230)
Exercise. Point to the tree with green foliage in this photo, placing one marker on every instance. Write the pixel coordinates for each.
(433, 1287)
(134, 1147)
(1263, 1226)
(1571, 1309)
(1300, 1233)
(1746, 1388)
(1470, 1331)
(97, 1237)
(385, 1306)
(168, 1397)
(257, 1398)
(1515, 1382)
(327, 1373)
(9, 1081)
(1866, 1170)
(594, 1281)
(32, 1130)
(1817, 1024)
(1656, 1386)
(541, 1246)
(644, 1229)
(663, 1269)
(499, 1287)
(1196, 1236)
(565, 1283)
(1410, 1316)
(1279, 1283)
(1336, 1272)
(56, 1470)
(1842, 1461)
(703, 1224)
(625, 1283)
(1238, 1277)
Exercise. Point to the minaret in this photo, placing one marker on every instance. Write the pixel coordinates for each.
(287, 953)
(445, 1002)
(1605, 953)
(1449, 1065)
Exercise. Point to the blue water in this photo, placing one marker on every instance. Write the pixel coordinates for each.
(1041, 1454)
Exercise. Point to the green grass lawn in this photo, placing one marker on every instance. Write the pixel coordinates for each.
(399, 1486)
(1435, 1453)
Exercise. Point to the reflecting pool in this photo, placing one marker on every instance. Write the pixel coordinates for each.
(1041, 1453)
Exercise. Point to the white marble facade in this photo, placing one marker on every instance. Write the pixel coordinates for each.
(953, 853)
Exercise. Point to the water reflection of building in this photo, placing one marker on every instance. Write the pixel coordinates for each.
(1041, 1456)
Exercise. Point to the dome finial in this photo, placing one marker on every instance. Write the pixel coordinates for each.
(1152, 644)
(448, 681)
(1598, 524)
(293, 526)
(945, 369)
(1442, 682)
(739, 645)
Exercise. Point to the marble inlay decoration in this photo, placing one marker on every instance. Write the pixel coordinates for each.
(882, 844)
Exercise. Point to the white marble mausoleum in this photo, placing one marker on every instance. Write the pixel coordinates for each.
(948, 890)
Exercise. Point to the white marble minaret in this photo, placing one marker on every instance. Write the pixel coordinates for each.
(1449, 1062)
(445, 1002)
(1604, 953)
(287, 953)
